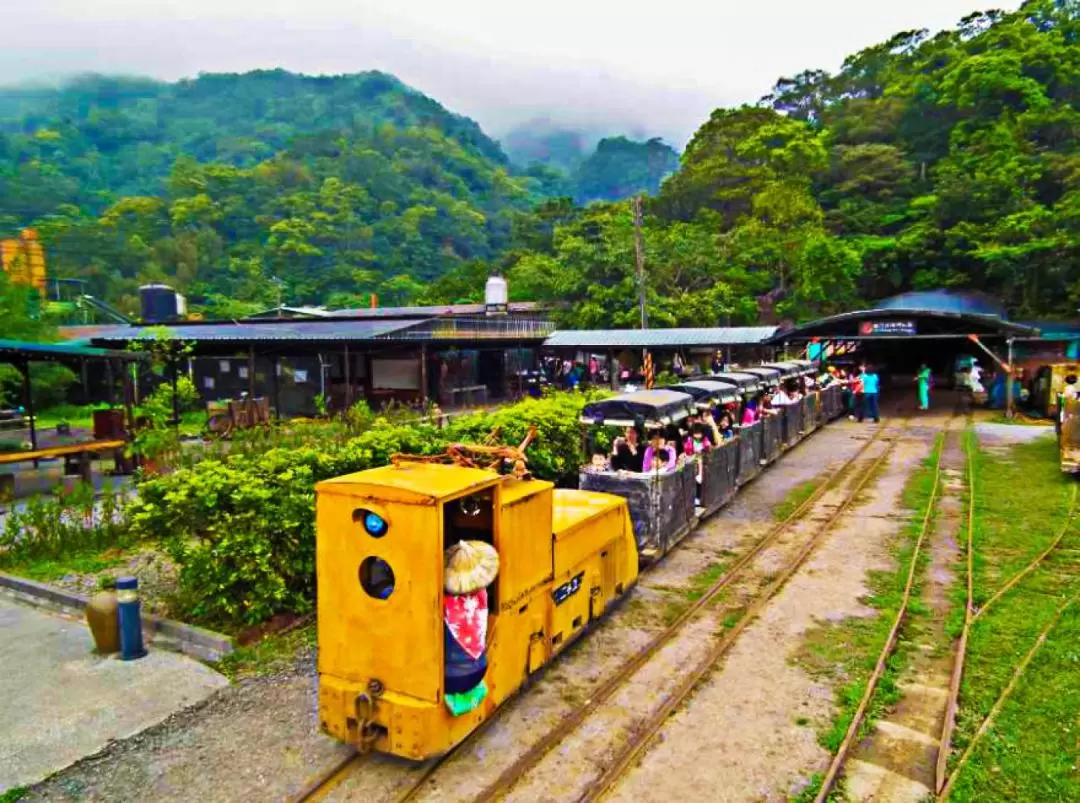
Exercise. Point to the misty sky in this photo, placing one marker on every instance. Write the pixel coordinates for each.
(650, 68)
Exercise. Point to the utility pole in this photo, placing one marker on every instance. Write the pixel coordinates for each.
(639, 259)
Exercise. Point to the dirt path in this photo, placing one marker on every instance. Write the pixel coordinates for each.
(895, 762)
(748, 733)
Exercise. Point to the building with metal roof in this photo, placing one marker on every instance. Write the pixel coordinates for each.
(660, 338)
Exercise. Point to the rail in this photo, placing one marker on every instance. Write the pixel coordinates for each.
(320, 787)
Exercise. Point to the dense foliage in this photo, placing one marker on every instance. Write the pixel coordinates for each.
(925, 162)
(241, 526)
(339, 186)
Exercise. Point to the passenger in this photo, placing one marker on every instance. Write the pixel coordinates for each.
(870, 386)
(857, 395)
(923, 378)
(600, 462)
(750, 412)
(784, 396)
(726, 427)
(626, 452)
(659, 456)
(697, 442)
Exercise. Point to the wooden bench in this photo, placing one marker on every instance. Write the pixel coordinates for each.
(79, 452)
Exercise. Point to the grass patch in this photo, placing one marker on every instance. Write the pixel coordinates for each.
(271, 655)
(701, 582)
(1032, 751)
(844, 653)
(797, 495)
(46, 569)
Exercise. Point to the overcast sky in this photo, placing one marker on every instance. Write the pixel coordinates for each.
(657, 67)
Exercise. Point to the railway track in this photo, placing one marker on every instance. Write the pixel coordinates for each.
(945, 780)
(321, 787)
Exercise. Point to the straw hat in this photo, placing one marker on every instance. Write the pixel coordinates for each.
(470, 565)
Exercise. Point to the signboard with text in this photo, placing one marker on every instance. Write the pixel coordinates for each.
(871, 328)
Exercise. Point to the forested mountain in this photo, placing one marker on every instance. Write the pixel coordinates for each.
(337, 185)
(620, 168)
(947, 160)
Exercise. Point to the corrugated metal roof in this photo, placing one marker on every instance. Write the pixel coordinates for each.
(431, 312)
(660, 338)
(248, 331)
(45, 351)
(1056, 330)
(966, 302)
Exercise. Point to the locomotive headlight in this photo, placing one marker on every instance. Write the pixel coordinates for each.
(375, 524)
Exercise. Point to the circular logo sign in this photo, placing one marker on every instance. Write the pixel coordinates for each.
(866, 328)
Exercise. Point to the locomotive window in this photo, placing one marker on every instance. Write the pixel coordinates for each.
(472, 518)
(377, 578)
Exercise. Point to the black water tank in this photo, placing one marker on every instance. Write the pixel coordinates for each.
(159, 303)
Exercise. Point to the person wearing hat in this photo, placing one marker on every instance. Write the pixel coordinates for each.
(470, 567)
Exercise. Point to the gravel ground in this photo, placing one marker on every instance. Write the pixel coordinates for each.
(748, 733)
(258, 740)
(255, 740)
(158, 578)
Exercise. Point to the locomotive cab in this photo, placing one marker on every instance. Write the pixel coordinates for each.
(380, 544)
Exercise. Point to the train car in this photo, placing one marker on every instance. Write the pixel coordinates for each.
(393, 676)
(1048, 385)
(661, 503)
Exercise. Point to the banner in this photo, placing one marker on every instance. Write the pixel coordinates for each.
(871, 328)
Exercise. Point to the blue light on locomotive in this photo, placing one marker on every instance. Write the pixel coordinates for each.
(375, 524)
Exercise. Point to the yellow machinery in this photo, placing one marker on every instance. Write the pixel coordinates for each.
(1049, 385)
(1069, 436)
(24, 260)
(564, 557)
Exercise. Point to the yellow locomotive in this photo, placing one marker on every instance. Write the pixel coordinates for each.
(387, 664)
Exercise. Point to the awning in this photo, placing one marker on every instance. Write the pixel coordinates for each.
(644, 408)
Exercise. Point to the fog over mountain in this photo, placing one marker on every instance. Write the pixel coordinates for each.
(603, 67)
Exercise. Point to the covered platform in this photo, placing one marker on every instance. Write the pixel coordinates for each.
(901, 334)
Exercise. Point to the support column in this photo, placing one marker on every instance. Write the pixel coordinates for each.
(423, 374)
(251, 372)
(613, 370)
(174, 368)
(28, 397)
(1010, 373)
(129, 401)
(274, 367)
(348, 379)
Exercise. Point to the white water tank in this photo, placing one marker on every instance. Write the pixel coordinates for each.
(495, 292)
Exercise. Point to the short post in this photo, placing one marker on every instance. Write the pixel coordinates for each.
(127, 599)
(28, 397)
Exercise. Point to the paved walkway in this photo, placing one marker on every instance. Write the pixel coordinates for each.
(61, 702)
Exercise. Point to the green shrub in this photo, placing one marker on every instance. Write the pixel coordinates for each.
(73, 523)
(242, 526)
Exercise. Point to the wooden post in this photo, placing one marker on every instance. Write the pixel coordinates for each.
(348, 379)
(24, 367)
(175, 368)
(85, 381)
(274, 386)
(251, 371)
(423, 373)
(110, 382)
(1009, 412)
(129, 401)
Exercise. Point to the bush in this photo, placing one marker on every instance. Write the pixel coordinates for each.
(242, 526)
(51, 528)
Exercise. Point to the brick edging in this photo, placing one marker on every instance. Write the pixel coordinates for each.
(206, 645)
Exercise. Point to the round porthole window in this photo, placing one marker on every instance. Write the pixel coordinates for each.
(373, 524)
(376, 578)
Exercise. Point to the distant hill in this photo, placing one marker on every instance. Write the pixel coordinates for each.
(620, 167)
(335, 184)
